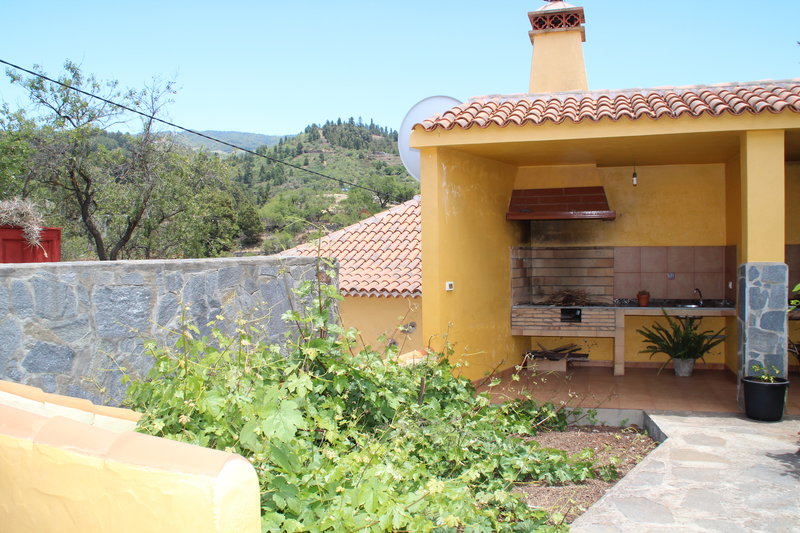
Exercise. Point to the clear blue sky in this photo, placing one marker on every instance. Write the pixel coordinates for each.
(275, 67)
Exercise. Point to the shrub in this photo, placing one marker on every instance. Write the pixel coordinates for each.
(351, 441)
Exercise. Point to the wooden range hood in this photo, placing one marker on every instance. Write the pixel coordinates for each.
(566, 203)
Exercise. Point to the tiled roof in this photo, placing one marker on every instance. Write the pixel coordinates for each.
(379, 256)
(577, 106)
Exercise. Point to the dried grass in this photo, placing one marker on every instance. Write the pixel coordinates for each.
(24, 214)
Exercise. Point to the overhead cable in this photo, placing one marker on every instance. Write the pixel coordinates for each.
(188, 130)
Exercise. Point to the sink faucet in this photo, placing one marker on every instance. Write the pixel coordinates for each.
(700, 296)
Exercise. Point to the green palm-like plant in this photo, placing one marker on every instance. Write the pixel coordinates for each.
(682, 340)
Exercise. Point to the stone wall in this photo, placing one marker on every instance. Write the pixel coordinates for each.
(69, 328)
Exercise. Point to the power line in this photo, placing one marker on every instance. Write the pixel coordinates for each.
(188, 130)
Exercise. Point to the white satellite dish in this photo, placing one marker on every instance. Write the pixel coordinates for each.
(425, 108)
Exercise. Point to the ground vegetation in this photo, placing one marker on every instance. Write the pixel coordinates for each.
(348, 440)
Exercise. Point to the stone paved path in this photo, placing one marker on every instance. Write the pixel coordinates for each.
(713, 473)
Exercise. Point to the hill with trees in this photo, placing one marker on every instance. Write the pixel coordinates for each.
(251, 141)
(148, 195)
(296, 201)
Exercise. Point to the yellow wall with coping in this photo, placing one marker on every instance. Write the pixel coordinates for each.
(377, 317)
(63, 475)
(466, 240)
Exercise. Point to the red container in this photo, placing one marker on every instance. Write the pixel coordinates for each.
(15, 249)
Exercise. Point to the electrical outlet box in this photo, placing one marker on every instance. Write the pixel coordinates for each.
(449, 286)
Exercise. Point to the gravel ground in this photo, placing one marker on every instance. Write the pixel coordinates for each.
(621, 447)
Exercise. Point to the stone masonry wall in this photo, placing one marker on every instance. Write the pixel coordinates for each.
(762, 307)
(69, 327)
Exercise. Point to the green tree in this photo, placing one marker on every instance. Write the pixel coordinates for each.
(15, 151)
(214, 224)
(109, 191)
(250, 225)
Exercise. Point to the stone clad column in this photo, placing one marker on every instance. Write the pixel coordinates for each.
(763, 276)
(762, 316)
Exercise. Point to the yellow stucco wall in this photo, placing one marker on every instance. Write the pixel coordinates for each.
(557, 64)
(672, 205)
(763, 196)
(733, 204)
(62, 475)
(379, 317)
(792, 203)
(466, 240)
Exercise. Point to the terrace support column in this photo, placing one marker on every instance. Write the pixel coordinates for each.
(762, 275)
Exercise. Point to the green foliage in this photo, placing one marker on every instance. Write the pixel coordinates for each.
(794, 303)
(15, 151)
(123, 196)
(682, 340)
(250, 225)
(762, 373)
(295, 203)
(214, 224)
(277, 242)
(351, 441)
(116, 195)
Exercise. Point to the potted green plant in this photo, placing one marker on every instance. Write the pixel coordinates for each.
(682, 342)
(764, 393)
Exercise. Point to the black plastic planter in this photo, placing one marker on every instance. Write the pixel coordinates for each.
(764, 401)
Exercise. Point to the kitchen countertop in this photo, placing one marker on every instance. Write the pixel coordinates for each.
(655, 305)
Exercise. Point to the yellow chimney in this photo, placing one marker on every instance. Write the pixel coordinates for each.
(557, 37)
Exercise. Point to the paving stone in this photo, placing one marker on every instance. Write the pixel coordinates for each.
(691, 454)
(650, 478)
(700, 439)
(642, 510)
(754, 490)
(766, 478)
(596, 527)
(723, 526)
(704, 500)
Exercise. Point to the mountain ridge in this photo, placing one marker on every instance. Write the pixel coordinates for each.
(247, 140)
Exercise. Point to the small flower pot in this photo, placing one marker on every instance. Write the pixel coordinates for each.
(683, 367)
(764, 401)
(644, 300)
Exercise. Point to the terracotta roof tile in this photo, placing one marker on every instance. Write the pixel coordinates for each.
(379, 256)
(577, 106)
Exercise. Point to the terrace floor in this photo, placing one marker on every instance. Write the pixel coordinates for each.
(711, 391)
